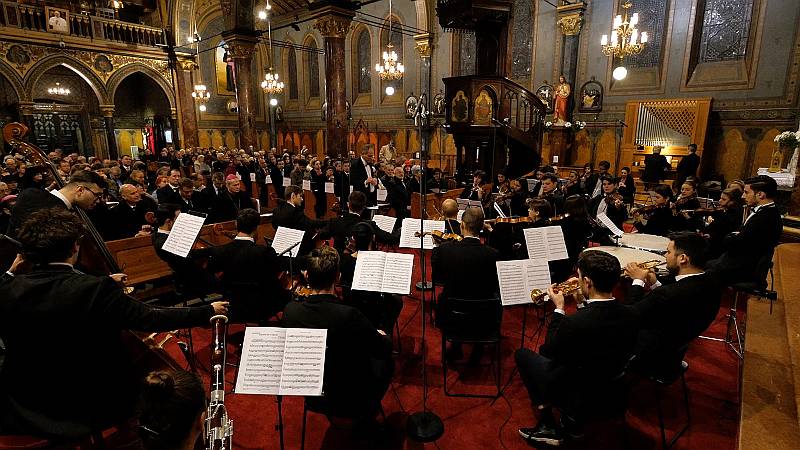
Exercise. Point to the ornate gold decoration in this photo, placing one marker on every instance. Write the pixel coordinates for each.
(422, 43)
(107, 110)
(571, 25)
(240, 49)
(187, 64)
(333, 26)
(227, 7)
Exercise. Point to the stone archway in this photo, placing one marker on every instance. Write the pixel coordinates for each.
(45, 64)
(119, 76)
(142, 113)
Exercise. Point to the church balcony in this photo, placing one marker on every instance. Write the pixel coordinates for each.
(34, 22)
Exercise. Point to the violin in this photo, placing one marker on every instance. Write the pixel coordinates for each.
(440, 236)
(647, 209)
(615, 199)
(704, 211)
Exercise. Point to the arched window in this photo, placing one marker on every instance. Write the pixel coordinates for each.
(363, 68)
(726, 30)
(522, 41)
(291, 67)
(311, 63)
(397, 41)
(653, 20)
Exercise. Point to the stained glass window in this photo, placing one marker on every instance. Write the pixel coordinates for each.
(364, 67)
(521, 40)
(652, 19)
(468, 50)
(312, 66)
(726, 28)
(397, 41)
(292, 73)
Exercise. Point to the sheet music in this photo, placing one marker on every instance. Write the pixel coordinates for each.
(518, 278)
(411, 226)
(383, 272)
(285, 238)
(385, 223)
(268, 180)
(460, 214)
(183, 234)
(463, 203)
(282, 361)
(603, 218)
(382, 194)
(287, 181)
(252, 177)
(329, 188)
(306, 185)
(545, 243)
(368, 275)
(303, 361)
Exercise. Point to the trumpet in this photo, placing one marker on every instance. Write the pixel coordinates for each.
(219, 429)
(567, 287)
(647, 265)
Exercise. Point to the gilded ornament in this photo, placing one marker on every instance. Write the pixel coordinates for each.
(333, 26)
(570, 25)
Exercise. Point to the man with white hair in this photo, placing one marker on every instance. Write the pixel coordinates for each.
(129, 215)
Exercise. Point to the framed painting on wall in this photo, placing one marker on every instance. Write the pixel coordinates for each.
(57, 20)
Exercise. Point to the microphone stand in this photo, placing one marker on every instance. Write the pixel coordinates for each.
(423, 426)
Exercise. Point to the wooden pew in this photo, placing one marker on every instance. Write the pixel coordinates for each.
(433, 203)
(309, 201)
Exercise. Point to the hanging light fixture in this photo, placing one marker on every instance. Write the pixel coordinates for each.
(271, 84)
(625, 39)
(58, 90)
(391, 69)
(117, 5)
(201, 95)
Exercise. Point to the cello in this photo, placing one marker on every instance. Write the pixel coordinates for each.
(95, 257)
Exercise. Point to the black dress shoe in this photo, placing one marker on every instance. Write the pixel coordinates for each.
(544, 433)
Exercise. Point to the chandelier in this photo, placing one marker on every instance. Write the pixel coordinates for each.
(117, 5)
(625, 39)
(271, 84)
(201, 95)
(391, 69)
(58, 90)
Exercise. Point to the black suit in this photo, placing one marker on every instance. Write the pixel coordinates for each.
(277, 181)
(287, 215)
(724, 223)
(358, 364)
(358, 176)
(226, 206)
(250, 278)
(197, 202)
(399, 196)
(71, 374)
(582, 353)
(660, 222)
(673, 315)
(190, 279)
(127, 220)
(341, 229)
(655, 167)
(168, 194)
(687, 167)
(616, 214)
(757, 239)
(29, 201)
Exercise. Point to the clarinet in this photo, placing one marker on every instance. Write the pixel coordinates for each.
(219, 429)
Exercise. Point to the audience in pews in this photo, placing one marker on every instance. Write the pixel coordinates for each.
(130, 214)
(79, 319)
(171, 410)
(229, 202)
(580, 364)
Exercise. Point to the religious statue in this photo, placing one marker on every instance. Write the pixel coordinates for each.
(230, 77)
(560, 109)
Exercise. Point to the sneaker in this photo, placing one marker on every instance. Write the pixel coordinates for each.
(543, 433)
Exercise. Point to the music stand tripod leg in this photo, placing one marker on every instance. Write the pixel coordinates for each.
(279, 426)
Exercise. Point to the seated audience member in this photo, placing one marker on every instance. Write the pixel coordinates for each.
(169, 192)
(249, 272)
(191, 199)
(171, 410)
(758, 237)
(229, 202)
(583, 355)
(129, 216)
(673, 314)
(72, 310)
(358, 363)
(467, 269)
(381, 309)
(658, 218)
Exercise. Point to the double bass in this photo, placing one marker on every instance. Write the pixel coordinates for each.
(95, 257)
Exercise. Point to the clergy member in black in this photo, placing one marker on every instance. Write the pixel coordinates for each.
(290, 214)
(66, 370)
(358, 363)
(673, 314)
(583, 353)
(83, 190)
(758, 236)
(229, 202)
(249, 272)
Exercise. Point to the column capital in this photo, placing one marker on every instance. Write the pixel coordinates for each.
(107, 110)
(423, 44)
(570, 18)
(186, 62)
(335, 24)
(240, 45)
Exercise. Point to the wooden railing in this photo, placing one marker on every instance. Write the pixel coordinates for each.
(34, 18)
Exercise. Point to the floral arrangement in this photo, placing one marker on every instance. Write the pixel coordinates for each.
(788, 139)
(577, 126)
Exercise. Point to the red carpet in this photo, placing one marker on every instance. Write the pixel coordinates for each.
(479, 424)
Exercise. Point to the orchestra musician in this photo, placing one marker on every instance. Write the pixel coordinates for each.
(758, 237)
(467, 269)
(627, 185)
(249, 272)
(583, 356)
(723, 220)
(519, 196)
(610, 203)
(549, 192)
(576, 226)
(341, 228)
(290, 213)
(77, 344)
(656, 218)
(476, 192)
(450, 216)
(686, 201)
(673, 314)
(171, 411)
(358, 362)
(573, 185)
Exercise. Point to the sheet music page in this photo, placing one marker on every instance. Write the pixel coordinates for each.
(287, 181)
(285, 238)
(603, 218)
(397, 273)
(268, 180)
(368, 275)
(329, 188)
(252, 177)
(460, 215)
(382, 194)
(556, 246)
(474, 204)
(411, 226)
(512, 280)
(385, 223)
(262, 361)
(306, 185)
(537, 275)
(183, 234)
(303, 361)
(536, 242)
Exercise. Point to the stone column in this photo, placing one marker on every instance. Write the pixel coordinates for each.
(111, 141)
(188, 113)
(241, 49)
(334, 27)
(570, 20)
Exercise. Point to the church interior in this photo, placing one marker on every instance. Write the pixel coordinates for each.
(660, 121)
